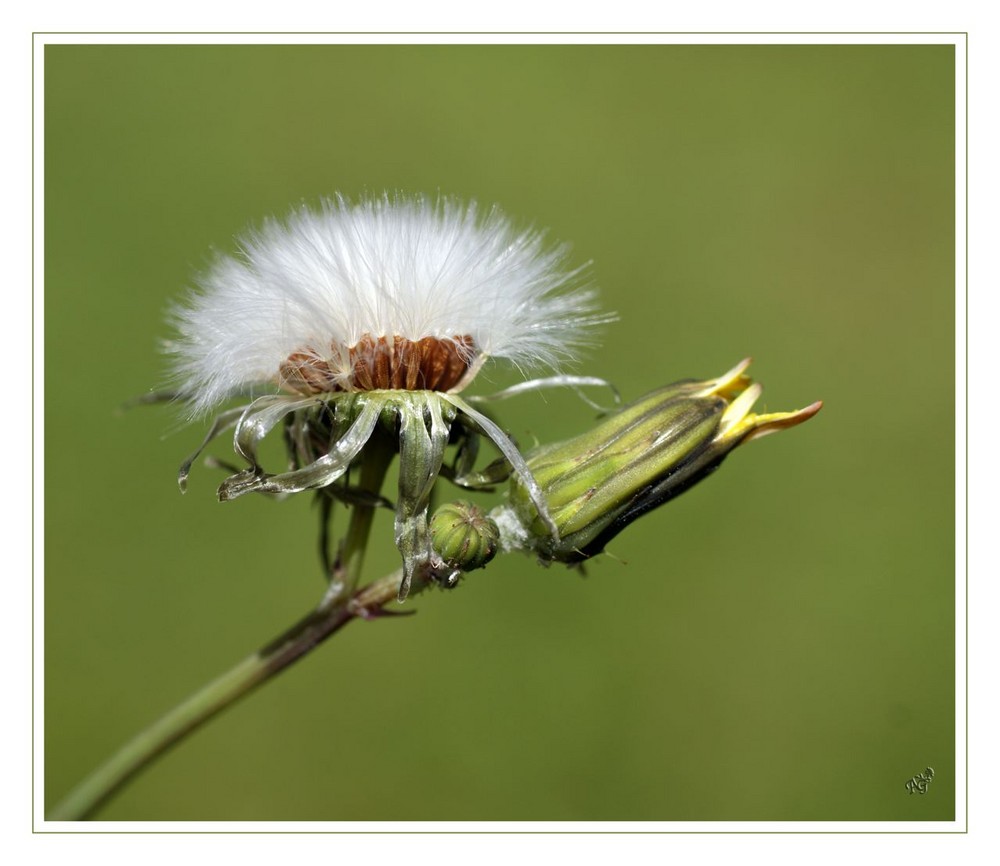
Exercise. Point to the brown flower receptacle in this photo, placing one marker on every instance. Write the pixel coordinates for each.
(382, 363)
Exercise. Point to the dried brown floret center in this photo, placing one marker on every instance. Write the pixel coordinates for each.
(379, 363)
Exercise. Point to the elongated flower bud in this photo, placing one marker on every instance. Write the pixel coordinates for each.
(642, 456)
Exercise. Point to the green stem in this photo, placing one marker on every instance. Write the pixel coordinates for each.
(84, 800)
(350, 558)
(336, 610)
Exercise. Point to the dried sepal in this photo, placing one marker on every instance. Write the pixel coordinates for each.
(320, 473)
(519, 467)
(576, 383)
(423, 436)
(220, 424)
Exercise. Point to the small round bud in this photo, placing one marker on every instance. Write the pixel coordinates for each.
(463, 536)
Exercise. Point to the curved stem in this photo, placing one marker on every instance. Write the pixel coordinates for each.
(185, 718)
(338, 608)
(139, 752)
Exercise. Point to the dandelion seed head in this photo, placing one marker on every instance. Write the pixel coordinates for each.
(389, 292)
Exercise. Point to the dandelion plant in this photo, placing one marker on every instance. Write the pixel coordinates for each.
(355, 328)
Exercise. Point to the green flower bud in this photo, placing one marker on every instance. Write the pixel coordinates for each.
(463, 536)
(635, 460)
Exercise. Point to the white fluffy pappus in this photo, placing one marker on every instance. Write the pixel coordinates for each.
(323, 281)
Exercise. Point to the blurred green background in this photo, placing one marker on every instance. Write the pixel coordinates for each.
(776, 644)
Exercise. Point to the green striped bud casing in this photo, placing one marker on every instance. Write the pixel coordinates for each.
(640, 457)
(463, 536)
